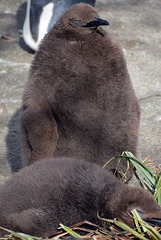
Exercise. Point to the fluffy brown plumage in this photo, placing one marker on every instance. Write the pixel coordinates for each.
(49, 192)
(79, 101)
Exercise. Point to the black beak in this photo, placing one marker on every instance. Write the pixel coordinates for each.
(153, 221)
(96, 23)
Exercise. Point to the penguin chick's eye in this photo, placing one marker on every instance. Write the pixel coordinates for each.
(139, 210)
(75, 22)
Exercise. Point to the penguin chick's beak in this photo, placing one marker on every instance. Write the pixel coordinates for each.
(153, 221)
(96, 23)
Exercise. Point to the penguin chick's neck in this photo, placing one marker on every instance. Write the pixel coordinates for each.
(89, 35)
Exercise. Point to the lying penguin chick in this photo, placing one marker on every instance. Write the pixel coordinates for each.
(52, 191)
(79, 101)
(41, 15)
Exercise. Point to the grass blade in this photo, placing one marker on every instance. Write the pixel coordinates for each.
(156, 235)
(129, 229)
(138, 221)
(139, 180)
(152, 190)
(144, 171)
(157, 194)
(70, 231)
(21, 236)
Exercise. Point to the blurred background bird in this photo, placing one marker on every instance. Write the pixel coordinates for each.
(41, 15)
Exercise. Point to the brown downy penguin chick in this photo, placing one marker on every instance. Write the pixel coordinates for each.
(52, 191)
(79, 101)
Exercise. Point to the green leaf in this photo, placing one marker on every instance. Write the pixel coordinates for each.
(129, 229)
(152, 183)
(70, 231)
(138, 221)
(139, 180)
(7, 230)
(153, 232)
(152, 190)
(157, 194)
(144, 171)
(109, 161)
(132, 157)
(21, 236)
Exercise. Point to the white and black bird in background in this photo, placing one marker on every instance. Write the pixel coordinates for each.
(41, 15)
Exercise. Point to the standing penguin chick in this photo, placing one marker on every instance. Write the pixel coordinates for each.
(79, 101)
(41, 196)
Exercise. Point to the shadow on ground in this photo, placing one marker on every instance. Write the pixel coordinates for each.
(13, 142)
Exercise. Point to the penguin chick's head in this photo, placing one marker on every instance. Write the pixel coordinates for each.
(79, 19)
(139, 199)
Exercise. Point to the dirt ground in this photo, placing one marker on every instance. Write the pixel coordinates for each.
(137, 23)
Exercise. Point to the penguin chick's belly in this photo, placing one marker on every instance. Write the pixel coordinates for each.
(91, 127)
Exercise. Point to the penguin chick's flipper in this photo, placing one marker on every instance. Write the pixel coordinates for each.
(38, 123)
